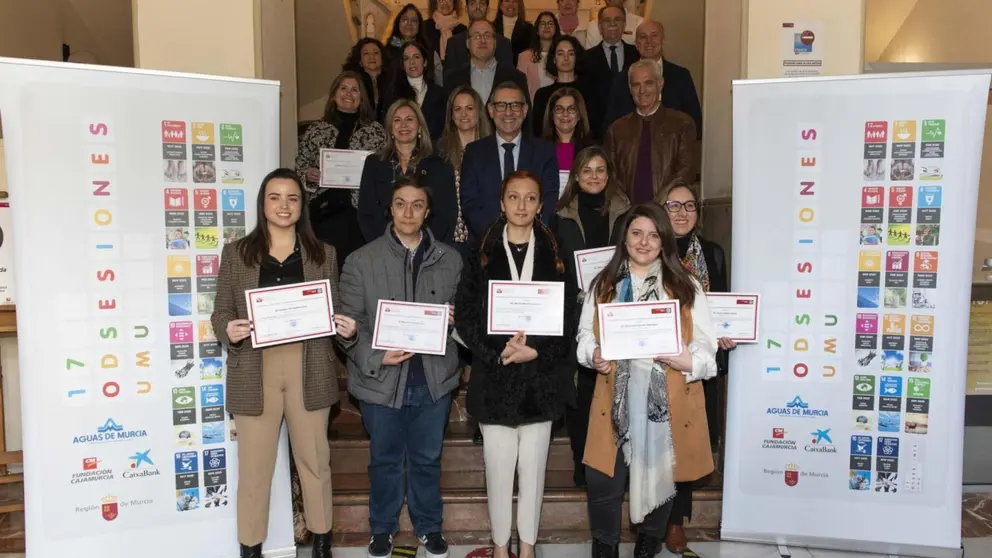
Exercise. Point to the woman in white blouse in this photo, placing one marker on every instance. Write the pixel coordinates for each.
(647, 414)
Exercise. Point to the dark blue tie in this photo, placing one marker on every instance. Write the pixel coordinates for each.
(507, 160)
(614, 61)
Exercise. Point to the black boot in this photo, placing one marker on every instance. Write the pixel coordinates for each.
(603, 550)
(477, 436)
(322, 545)
(251, 551)
(646, 546)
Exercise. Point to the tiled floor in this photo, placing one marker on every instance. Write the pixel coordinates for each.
(974, 548)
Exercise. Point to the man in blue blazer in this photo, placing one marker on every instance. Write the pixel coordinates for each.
(488, 160)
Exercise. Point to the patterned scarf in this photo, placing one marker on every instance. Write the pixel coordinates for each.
(445, 24)
(641, 412)
(695, 263)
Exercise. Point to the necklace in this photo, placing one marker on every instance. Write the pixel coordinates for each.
(519, 247)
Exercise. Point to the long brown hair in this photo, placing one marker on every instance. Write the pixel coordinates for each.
(254, 247)
(496, 227)
(365, 115)
(581, 134)
(450, 144)
(572, 188)
(674, 277)
(423, 147)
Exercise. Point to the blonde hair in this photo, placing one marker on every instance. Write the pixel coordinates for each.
(423, 147)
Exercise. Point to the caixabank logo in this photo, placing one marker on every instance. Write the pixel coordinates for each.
(141, 465)
(797, 408)
(109, 432)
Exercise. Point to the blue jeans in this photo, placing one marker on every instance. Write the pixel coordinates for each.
(411, 436)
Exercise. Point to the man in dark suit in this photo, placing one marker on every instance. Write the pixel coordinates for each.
(456, 53)
(679, 92)
(483, 71)
(604, 61)
(489, 160)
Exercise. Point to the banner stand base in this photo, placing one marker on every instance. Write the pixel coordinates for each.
(783, 551)
(783, 542)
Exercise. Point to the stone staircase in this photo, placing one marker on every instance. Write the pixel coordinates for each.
(563, 518)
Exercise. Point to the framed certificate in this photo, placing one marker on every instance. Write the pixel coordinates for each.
(533, 307)
(562, 181)
(411, 326)
(632, 330)
(735, 316)
(590, 262)
(341, 168)
(290, 313)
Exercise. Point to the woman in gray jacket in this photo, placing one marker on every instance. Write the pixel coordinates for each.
(404, 397)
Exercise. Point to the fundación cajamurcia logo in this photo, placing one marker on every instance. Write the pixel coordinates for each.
(109, 432)
(92, 472)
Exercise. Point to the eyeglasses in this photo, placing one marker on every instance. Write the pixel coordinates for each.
(546, 23)
(481, 37)
(503, 106)
(410, 20)
(674, 206)
(570, 109)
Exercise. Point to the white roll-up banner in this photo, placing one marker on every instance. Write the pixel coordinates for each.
(854, 218)
(128, 184)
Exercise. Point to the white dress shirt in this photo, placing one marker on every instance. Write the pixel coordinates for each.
(516, 152)
(606, 49)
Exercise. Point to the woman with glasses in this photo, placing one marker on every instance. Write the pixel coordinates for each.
(365, 59)
(408, 26)
(511, 22)
(408, 153)
(520, 383)
(533, 61)
(563, 67)
(415, 82)
(704, 260)
(567, 125)
(647, 423)
(588, 212)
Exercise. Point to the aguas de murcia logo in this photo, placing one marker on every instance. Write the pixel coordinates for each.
(109, 432)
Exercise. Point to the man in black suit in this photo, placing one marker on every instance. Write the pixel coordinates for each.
(456, 53)
(679, 92)
(605, 61)
(489, 160)
(483, 71)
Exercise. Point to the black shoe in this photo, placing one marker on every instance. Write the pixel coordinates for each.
(322, 545)
(251, 551)
(646, 546)
(434, 545)
(381, 546)
(477, 436)
(603, 550)
(579, 476)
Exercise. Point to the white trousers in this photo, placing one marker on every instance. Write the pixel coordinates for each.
(524, 448)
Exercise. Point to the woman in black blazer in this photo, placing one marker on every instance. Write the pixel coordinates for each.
(705, 261)
(408, 152)
(513, 14)
(415, 82)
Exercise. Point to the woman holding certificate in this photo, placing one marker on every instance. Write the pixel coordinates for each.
(294, 380)
(645, 408)
(408, 152)
(588, 213)
(403, 366)
(515, 312)
(348, 123)
(703, 260)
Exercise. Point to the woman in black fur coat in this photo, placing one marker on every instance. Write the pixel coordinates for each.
(519, 384)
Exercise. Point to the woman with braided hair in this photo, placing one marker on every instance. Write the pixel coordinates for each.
(519, 383)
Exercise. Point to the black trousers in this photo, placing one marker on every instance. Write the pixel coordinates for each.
(577, 419)
(605, 500)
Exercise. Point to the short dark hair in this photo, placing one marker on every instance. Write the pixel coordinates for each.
(413, 182)
(503, 86)
(354, 61)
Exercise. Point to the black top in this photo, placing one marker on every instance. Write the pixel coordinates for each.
(595, 223)
(273, 273)
(519, 252)
(348, 120)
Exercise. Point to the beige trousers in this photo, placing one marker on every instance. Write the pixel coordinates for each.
(258, 438)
